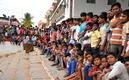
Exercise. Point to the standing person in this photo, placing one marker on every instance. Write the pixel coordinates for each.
(29, 45)
(76, 32)
(125, 33)
(118, 70)
(25, 40)
(95, 39)
(103, 25)
(34, 38)
(87, 38)
(115, 43)
(82, 26)
(54, 34)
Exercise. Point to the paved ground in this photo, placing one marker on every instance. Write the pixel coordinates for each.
(52, 70)
(16, 65)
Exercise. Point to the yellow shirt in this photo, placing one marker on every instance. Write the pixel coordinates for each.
(95, 36)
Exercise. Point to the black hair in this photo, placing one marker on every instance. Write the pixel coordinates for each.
(63, 22)
(126, 12)
(97, 56)
(80, 52)
(126, 59)
(55, 28)
(79, 46)
(90, 14)
(116, 4)
(64, 44)
(71, 19)
(89, 53)
(90, 24)
(96, 16)
(96, 23)
(83, 14)
(70, 45)
(103, 15)
(113, 54)
(103, 56)
(79, 19)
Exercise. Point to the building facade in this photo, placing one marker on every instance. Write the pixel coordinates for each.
(4, 21)
(72, 8)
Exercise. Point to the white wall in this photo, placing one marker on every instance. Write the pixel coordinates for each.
(67, 9)
(97, 8)
(82, 6)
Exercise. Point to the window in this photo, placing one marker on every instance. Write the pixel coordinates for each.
(91, 1)
(110, 2)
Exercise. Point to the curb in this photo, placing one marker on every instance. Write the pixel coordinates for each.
(43, 65)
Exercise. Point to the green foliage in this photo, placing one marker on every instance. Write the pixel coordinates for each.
(27, 20)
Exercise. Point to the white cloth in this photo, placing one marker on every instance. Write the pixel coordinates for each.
(118, 70)
(76, 29)
(87, 34)
(26, 39)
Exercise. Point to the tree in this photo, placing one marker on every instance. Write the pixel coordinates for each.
(27, 23)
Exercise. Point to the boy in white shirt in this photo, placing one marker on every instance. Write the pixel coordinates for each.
(118, 69)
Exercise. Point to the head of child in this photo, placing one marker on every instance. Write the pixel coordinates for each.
(54, 44)
(97, 60)
(109, 14)
(102, 18)
(104, 62)
(111, 58)
(95, 18)
(83, 16)
(72, 54)
(59, 44)
(78, 46)
(75, 21)
(127, 63)
(95, 26)
(65, 46)
(80, 58)
(125, 16)
(89, 57)
(70, 46)
(89, 26)
(66, 35)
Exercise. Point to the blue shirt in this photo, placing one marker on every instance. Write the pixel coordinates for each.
(72, 66)
(86, 71)
(108, 32)
(128, 38)
(82, 27)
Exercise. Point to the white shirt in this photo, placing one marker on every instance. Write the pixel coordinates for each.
(118, 70)
(88, 34)
(76, 28)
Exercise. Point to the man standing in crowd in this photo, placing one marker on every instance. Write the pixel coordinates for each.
(82, 26)
(103, 26)
(116, 30)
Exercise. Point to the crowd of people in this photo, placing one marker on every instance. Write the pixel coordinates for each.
(93, 47)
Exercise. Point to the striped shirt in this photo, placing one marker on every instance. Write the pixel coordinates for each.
(116, 37)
